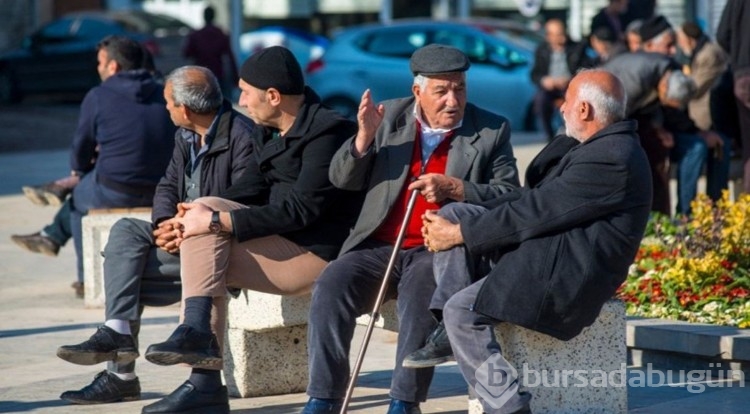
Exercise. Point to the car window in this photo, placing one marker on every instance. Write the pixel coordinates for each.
(97, 29)
(395, 43)
(472, 46)
(57, 29)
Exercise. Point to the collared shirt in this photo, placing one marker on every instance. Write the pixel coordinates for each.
(196, 151)
(431, 137)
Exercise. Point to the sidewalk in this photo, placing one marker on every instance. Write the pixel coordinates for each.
(38, 313)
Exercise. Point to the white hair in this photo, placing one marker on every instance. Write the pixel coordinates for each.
(680, 87)
(421, 81)
(608, 107)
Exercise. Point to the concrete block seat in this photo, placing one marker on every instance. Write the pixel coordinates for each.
(96, 226)
(266, 354)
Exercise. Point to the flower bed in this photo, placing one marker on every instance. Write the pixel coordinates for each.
(695, 269)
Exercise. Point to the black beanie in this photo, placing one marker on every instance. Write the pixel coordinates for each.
(654, 27)
(692, 30)
(274, 67)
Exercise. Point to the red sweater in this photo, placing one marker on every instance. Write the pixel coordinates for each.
(388, 230)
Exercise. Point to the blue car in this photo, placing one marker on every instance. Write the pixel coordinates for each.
(60, 57)
(376, 56)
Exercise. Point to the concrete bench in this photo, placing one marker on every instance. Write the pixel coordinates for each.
(96, 225)
(266, 353)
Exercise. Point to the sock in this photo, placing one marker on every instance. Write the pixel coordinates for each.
(198, 313)
(205, 380)
(125, 376)
(119, 325)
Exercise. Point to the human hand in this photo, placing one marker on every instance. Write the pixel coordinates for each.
(666, 137)
(167, 236)
(438, 187)
(369, 118)
(439, 233)
(193, 219)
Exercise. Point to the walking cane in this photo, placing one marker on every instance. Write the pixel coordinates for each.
(379, 301)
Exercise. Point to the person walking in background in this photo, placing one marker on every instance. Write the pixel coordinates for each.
(121, 147)
(142, 261)
(555, 61)
(211, 47)
(633, 35)
(733, 34)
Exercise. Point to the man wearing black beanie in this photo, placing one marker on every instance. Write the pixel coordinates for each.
(273, 231)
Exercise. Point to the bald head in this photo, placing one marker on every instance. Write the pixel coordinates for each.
(594, 100)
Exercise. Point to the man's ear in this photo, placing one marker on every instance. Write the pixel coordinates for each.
(273, 96)
(113, 66)
(585, 111)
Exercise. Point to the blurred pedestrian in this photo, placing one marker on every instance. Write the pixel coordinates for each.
(611, 18)
(555, 61)
(633, 35)
(211, 47)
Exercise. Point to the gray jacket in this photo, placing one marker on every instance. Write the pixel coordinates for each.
(480, 155)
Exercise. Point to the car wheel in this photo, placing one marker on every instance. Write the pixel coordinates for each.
(344, 106)
(8, 91)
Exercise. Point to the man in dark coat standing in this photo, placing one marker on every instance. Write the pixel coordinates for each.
(558, 250)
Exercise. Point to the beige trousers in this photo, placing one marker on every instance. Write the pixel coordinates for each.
(211, 263)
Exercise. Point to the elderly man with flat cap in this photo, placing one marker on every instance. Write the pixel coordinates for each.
(434, 142)
(274, 231)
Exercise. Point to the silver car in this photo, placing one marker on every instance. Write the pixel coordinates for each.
(376, 56)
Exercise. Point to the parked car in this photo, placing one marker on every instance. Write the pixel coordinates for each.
(376, 56)
(304, 45)
(61, 55)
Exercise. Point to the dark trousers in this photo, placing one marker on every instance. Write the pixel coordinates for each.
(59, 230)
(89, 194)
(545, 107)
(658, 157)
(137, 274)
(346, 289)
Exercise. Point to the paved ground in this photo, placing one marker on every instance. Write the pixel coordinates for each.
(38, 313)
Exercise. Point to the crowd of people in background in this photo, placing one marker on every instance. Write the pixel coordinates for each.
(679, 84)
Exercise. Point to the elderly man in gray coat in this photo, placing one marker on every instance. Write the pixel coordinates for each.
(433, 142)
(557, 250)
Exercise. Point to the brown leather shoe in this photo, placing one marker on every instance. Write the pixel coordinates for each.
(46, 194)
(37, 243)
(79, 288)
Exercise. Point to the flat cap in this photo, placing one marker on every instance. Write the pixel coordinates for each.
(653, 27)
(274, 67)
(434, 58)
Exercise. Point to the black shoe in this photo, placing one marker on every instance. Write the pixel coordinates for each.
(106, 388)
(437, 350)
(46, 194)
(37, 243)
(188, 346)
(104, 345)
(186, 399)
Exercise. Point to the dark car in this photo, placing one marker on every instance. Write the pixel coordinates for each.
(61, 56)
(376, 56)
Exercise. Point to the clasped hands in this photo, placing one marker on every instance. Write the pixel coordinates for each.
(191, 219)
(439, 233)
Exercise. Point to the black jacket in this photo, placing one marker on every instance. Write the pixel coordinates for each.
(575, 55)
(286, 185)
(733, 34)
(567, 243)
(227, 158)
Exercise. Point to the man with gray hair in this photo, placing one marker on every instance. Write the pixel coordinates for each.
(142, 262)
(546, 256)
(654, 81)
(433, 142)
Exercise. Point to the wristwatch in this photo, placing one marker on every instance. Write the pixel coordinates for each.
(215, 225)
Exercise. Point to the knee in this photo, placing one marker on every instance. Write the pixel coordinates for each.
(455, 211)
(214, 203)
(123, 232)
